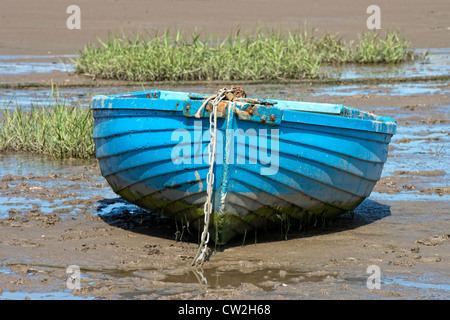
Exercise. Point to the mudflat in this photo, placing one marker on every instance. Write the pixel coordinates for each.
(40, 27)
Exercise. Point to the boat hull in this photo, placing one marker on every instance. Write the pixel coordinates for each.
(298, 166)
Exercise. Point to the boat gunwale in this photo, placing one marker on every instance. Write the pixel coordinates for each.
(347, 117)
(287, 124)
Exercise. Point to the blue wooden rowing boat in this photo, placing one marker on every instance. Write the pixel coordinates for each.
(275, 160)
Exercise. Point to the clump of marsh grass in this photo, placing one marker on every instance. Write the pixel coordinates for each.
(260, 55)
(371, 48)
(57, 129)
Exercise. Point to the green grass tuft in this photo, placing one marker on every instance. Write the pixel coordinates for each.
(56, 129)
(261, 55)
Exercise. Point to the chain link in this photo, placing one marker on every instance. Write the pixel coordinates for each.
(207, 209)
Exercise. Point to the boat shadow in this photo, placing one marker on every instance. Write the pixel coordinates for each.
(120, 213)
(367, 212)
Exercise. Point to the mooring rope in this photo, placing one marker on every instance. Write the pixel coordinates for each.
(207, 209)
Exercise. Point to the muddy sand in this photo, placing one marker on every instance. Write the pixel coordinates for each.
(40, 27)
(58, 214)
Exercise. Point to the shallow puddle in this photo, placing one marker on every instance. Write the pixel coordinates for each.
(425, 286)
(55, 295)
(26, 64)
(445, 287)
(398, 89)
(263, 278)
(42, 185)
(436, 63)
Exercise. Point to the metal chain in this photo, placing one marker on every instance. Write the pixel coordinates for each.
(207, 209)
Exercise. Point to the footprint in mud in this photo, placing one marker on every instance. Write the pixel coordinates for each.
(434, 240)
